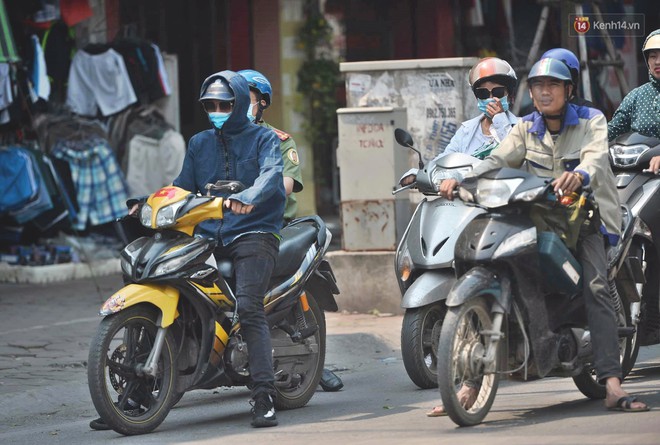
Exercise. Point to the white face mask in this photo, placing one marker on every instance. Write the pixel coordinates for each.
(249, 113)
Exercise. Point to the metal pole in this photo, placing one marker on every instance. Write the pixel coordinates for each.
(623, 84)
(582, 45)
(531, 57)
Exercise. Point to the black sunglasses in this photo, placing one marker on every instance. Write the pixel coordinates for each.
(211, 106)
(485, 93)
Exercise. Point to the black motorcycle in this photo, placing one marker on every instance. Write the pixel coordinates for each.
(517, 308)
(639, 193)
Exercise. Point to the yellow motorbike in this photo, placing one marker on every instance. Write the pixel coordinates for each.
(174, 326)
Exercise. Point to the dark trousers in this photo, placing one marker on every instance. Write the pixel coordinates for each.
(600, 312)
(254, 256)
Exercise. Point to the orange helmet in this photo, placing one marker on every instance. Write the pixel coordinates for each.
(495, 70)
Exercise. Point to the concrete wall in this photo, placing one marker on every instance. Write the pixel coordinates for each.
(366, 281)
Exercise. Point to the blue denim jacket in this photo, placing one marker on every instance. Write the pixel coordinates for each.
(239, 151)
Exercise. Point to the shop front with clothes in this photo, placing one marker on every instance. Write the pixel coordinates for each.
(85, 123)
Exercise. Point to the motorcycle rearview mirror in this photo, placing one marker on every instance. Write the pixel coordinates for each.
(403, 138)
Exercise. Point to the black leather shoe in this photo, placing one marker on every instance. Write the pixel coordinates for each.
(330, 382)
(98, 425)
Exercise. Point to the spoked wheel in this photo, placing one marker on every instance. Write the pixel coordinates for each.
(419, 343)
(299, 365)
(463, 342)
(129, 401)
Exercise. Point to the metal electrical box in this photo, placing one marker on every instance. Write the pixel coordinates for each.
(370, 165)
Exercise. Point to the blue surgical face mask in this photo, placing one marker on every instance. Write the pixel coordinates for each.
(249, 113)
(505, 103)
(218, 119)
(482, 104)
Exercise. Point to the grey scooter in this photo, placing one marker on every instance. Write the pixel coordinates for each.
(424, 259)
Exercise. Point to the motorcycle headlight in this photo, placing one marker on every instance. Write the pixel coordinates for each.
(175, 263)
(530, 195)
(518, 241)
(404, 264)
(166, 216)
(627, 155)
(493, 193)
(145, 215)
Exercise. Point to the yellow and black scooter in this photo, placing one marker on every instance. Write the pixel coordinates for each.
(174, 326)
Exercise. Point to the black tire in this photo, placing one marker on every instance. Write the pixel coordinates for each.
(124, 340)
(420, 333)
(460, 344)
(297, 376)
(644, 252)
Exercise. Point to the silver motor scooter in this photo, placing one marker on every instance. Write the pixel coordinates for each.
(424, 260)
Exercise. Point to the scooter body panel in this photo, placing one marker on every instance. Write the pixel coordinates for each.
(165, 298)
(430, 287)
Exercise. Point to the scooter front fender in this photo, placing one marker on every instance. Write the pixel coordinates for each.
(430, 287)
(478, 281)
(165, 298)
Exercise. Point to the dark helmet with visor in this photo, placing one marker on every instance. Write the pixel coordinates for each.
(216, 88)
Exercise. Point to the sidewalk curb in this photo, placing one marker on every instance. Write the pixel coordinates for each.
(57, 272)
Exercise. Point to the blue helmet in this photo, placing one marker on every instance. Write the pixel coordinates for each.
(216, 88)
(568, 58)
(260, 83)
(549, 67)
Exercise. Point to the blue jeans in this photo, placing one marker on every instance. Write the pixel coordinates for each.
(254, 256)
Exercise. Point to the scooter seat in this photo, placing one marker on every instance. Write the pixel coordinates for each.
(296, 240)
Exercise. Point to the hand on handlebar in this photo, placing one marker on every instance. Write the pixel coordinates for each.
(654, 165)
(238, 207)
(447, 187)
(567, 183)
(407, 180)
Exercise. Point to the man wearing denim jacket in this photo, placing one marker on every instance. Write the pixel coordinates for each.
(236, 149)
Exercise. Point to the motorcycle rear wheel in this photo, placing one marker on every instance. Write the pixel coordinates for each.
(461, 345)
(129, 403)
(297, 376)
(419, 343)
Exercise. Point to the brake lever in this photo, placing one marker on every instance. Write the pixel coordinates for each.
(405, 187)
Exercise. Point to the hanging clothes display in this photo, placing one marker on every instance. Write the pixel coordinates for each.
(142, 65)
(6, 95)
(38, 74)
(154, 163)
(99, 81)
(8, 51)
(100, 185)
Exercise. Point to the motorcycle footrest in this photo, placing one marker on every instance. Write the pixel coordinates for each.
(626, 332)
(308, 331)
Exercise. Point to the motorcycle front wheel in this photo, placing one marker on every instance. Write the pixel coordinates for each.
(419, 343)
(463, 342)
(129, 401)
(299, 365)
